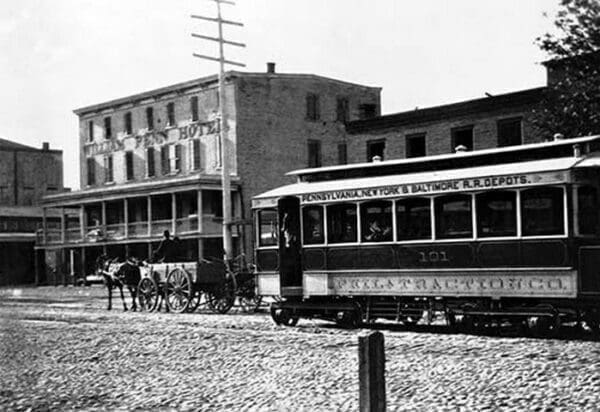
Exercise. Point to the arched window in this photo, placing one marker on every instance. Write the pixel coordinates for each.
(376, 221)
(267, 226)
(312, 222)
(587, 210)
(496, 214)
(542, 211)
(341, 223)
(413, 219)
(453, 217)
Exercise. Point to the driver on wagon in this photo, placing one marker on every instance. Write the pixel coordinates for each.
(166, 251)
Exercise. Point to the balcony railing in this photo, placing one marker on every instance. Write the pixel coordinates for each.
(137, 229)
(73, 234)
(186, 225)
(159, 226)
(211, 225)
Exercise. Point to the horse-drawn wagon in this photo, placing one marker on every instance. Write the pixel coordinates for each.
(184, 286)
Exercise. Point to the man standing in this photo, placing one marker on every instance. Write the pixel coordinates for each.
(166, 250)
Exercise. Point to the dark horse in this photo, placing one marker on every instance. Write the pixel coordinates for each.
(118, 274)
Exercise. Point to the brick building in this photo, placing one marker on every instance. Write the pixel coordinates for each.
(150, 162)
(26, 175)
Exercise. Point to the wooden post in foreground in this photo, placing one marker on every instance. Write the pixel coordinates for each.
(371, 369)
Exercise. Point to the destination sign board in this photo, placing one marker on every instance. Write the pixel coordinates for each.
(435, 187)
(516, 283)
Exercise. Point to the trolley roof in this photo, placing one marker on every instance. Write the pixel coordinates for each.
(496, 176)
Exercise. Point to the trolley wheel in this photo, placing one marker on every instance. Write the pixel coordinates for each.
(249, 303)
(179, 290)
(543, 326)
(221, 299)
(411, 319)
(148, 294)
(348, 319)
(592, 320)
(194, 302)
(284, 317)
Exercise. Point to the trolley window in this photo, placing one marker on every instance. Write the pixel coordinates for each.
(341, 223)
(413, 218)
(587, 210)
(542, 211)
(312, 221)
(376, 221)
(496, 214)
(453, 217)
(267, 226)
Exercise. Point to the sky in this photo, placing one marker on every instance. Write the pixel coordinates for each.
(59, 55)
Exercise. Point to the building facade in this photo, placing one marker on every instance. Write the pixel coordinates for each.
(151, 162)
(26, 175)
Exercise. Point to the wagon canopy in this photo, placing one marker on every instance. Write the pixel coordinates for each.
(499, 176)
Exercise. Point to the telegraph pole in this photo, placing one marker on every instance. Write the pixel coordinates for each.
(225, 146)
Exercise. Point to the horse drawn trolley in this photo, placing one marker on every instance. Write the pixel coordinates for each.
(184, 286)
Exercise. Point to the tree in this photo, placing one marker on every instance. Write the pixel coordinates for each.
(571, 102)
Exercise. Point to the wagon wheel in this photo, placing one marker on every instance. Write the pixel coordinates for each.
(194, 302)
(221, 298)
(179, 290)
(249, 303)
(148, 294)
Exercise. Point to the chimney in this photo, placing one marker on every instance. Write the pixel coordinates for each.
(45, 146)
(271, 68)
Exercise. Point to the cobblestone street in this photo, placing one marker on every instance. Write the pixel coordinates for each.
(61, 350)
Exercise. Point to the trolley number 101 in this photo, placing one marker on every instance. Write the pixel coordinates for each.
(433, 256)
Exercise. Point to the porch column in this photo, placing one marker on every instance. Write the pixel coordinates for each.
(173, 213)
(63, 226)
(104, 218)
(199, 212)
(44, 225)
(149, 207)
(200, 248)
(126, 218)
(83, 263)
(36, 259)
(82, 222)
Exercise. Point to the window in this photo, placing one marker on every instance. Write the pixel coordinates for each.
(108, 169)
(367, 111)
(587, 210)
(150, 118)
(462, 136)
(542, 211)
(212, 203)
(165, 166)
(341, 223)
(509, 132)
(267, 227)
(342, 110)
(413, 219)
(375, 148)
(150, 169)
(175, 157)
(196, 154)
(129, 165)
(376, 221)
(128, 125)
(91, 171)
(496, 214)
(171, 114)
(90, 131)
(342, 153)
(415, 145)
(194, 108)
(314, 153)
(312, 221)
(453, 217)
(107, 128)
(312, 107)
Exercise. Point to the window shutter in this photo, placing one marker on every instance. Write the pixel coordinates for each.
(196, 154)
(177, 157)
(164, 159)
